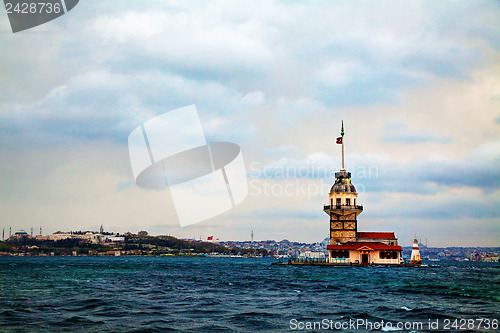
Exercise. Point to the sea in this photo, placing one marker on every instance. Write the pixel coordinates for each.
(206, 294)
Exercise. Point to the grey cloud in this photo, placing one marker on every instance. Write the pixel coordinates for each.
(479, 169)
(169, 61)
(395, 131)
(430, 177)
(414, 138)
(440, 208)
(284, 46)
(106, 105)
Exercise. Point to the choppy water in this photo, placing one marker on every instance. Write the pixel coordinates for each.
(119, 294)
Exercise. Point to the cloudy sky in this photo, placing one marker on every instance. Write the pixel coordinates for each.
(416, 84)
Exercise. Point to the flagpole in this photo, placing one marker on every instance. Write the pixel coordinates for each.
(342, 133)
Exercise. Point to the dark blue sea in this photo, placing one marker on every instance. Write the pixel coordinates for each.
(168, 294)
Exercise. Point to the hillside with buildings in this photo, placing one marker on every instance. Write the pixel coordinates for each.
(89, 243)
(102, 243)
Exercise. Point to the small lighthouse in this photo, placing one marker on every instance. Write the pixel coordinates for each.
(415, 253)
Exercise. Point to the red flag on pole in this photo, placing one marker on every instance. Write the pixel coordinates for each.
(339, 140)
(210, 237)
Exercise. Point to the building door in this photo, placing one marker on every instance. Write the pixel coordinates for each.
(365, 258)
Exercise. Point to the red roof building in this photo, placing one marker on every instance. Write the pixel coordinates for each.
(376, 235)
(369, 246)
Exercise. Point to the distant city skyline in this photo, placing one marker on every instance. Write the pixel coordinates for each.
(416, 84)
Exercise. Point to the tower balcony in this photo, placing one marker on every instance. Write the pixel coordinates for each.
(343, 207)
(327, 207)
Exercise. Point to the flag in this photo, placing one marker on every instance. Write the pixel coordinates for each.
(339, 140)
(210, 237)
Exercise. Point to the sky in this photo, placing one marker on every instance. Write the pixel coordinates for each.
(416, 84)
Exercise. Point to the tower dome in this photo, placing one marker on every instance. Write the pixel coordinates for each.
(343, 194)
(343, 184)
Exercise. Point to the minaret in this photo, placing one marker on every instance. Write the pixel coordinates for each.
(415, 253)
(3, 234)
(31, 232)
(101, 230)
(40, 230)
(342, 208)
(10, 232)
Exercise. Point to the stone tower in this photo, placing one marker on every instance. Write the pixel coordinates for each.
(343, 207)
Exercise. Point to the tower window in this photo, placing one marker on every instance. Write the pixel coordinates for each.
(354, 202)
(340, 254)
(388, 255)
(338, 202)
(348, 202)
